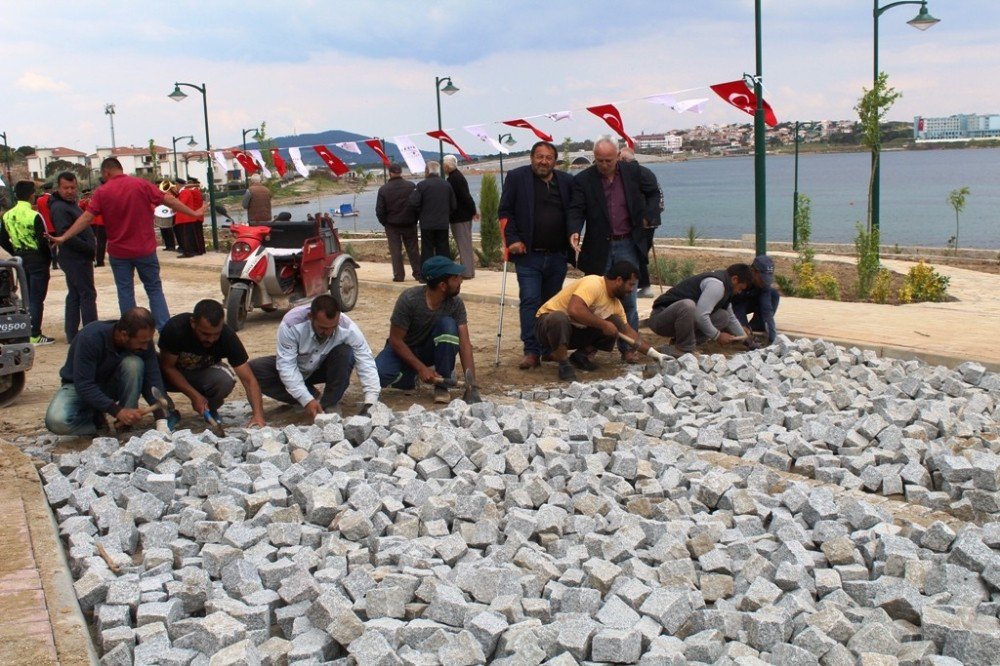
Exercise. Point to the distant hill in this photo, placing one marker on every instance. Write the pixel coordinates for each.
(368, 157)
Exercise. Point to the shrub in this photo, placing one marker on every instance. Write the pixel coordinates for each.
(807, 283)
(671, 271)
(829, 285)
(923, 283)
(692, 235)
(785, 285)
(803, 222)
(881, 288)
(489, 225)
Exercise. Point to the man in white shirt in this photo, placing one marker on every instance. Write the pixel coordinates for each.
(317, 345)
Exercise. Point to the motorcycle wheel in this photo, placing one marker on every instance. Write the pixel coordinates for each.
(344, 287)
(10, 387)
(236, 306)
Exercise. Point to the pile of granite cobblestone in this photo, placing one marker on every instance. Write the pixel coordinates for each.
(720, 511)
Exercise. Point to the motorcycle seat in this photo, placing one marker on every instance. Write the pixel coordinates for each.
(284, 252)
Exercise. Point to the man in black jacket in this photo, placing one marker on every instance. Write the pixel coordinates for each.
(616, 201)
(392, 208)
(462, 216)
(76, 257)
(433, 201)
(109, 365)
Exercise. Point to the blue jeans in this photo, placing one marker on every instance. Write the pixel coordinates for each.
(68, 414)
(438, 350)
(540, 276)
(148, 268)
(625, 250)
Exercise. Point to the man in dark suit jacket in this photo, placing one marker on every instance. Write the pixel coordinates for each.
(433, 200)
(616, 201)
(535, 202)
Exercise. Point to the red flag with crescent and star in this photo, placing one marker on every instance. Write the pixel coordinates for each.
(249, 166)
(443, 136)
(737, 94)
(279, 162)
(524, 124)
(376, 145)
(331, 160)
(609, 114)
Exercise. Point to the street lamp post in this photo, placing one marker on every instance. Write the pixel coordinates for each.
(449, 89)
(795, 194)
(191, 144)
(256, 135)
(921, 21)
(760, 183)
(6, 158)
(177, 95)
(510, 141)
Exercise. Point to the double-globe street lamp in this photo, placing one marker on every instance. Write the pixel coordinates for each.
(177, 95)
(508, 140)
(256, 136)
(921, 21)
(449, 89)
(191, 144)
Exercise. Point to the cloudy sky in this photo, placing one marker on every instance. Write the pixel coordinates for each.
(369, 67)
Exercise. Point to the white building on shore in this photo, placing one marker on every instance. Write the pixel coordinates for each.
(960, 127)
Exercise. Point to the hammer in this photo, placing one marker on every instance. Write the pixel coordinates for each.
(471, 393)
(160, 402)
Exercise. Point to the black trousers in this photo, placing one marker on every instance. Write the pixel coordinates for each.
(102, 243)
(36, 267)
(334, 373)
(81, 294)
(433, 242)
(169, 239)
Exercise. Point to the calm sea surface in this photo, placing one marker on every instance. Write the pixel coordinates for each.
(717, 197)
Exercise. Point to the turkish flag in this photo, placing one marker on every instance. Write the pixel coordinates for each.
(524, 124)
(246, 162)
(279, 162)
(609, 114)
(376, 145)
(737, 94)
(332, 161)
(443, 136)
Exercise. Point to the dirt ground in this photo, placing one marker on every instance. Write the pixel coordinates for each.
(186, 284)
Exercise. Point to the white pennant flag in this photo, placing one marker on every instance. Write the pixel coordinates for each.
(220, 159)
(560, 115)
(349, 146)
(300, 166)
(259, 159)
(693, 105)
(2, 184)
(665, 99)
(480, 133)
(411, 154)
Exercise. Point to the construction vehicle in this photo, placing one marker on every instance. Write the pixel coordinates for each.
(17, 354)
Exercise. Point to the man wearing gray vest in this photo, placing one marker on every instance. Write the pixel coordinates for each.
(698, 308)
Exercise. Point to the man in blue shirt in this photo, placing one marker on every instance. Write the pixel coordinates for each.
(760, 300)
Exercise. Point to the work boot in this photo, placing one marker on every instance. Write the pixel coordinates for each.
(566, 372)
(529, 361)
(441, 395)
(581, 360)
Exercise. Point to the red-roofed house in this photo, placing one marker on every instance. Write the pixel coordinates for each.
(45, 156)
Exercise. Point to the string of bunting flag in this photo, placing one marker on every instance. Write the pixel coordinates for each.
(736, 93)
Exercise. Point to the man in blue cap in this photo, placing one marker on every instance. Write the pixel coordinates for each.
(760, 300)
(427, 329)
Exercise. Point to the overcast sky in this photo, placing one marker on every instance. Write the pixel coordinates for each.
(369, 67)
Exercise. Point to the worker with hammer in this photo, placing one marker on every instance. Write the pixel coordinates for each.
(109, 365)
(192, 346)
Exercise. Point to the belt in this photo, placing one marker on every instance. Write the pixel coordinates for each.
(619, 236)
(544, 251)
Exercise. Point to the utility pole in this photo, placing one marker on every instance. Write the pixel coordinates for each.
(109, 111)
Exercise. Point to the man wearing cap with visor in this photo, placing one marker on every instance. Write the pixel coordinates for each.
(427, 330)
(760, 300)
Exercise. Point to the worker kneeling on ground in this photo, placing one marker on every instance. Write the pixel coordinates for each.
(587, 316)
(192, 346)
(109, 365)
(317, 344)
(698, 309)
(427, 329)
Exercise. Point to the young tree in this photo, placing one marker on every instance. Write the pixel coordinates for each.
(957, 200)
(872, 108)
(489, 225)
